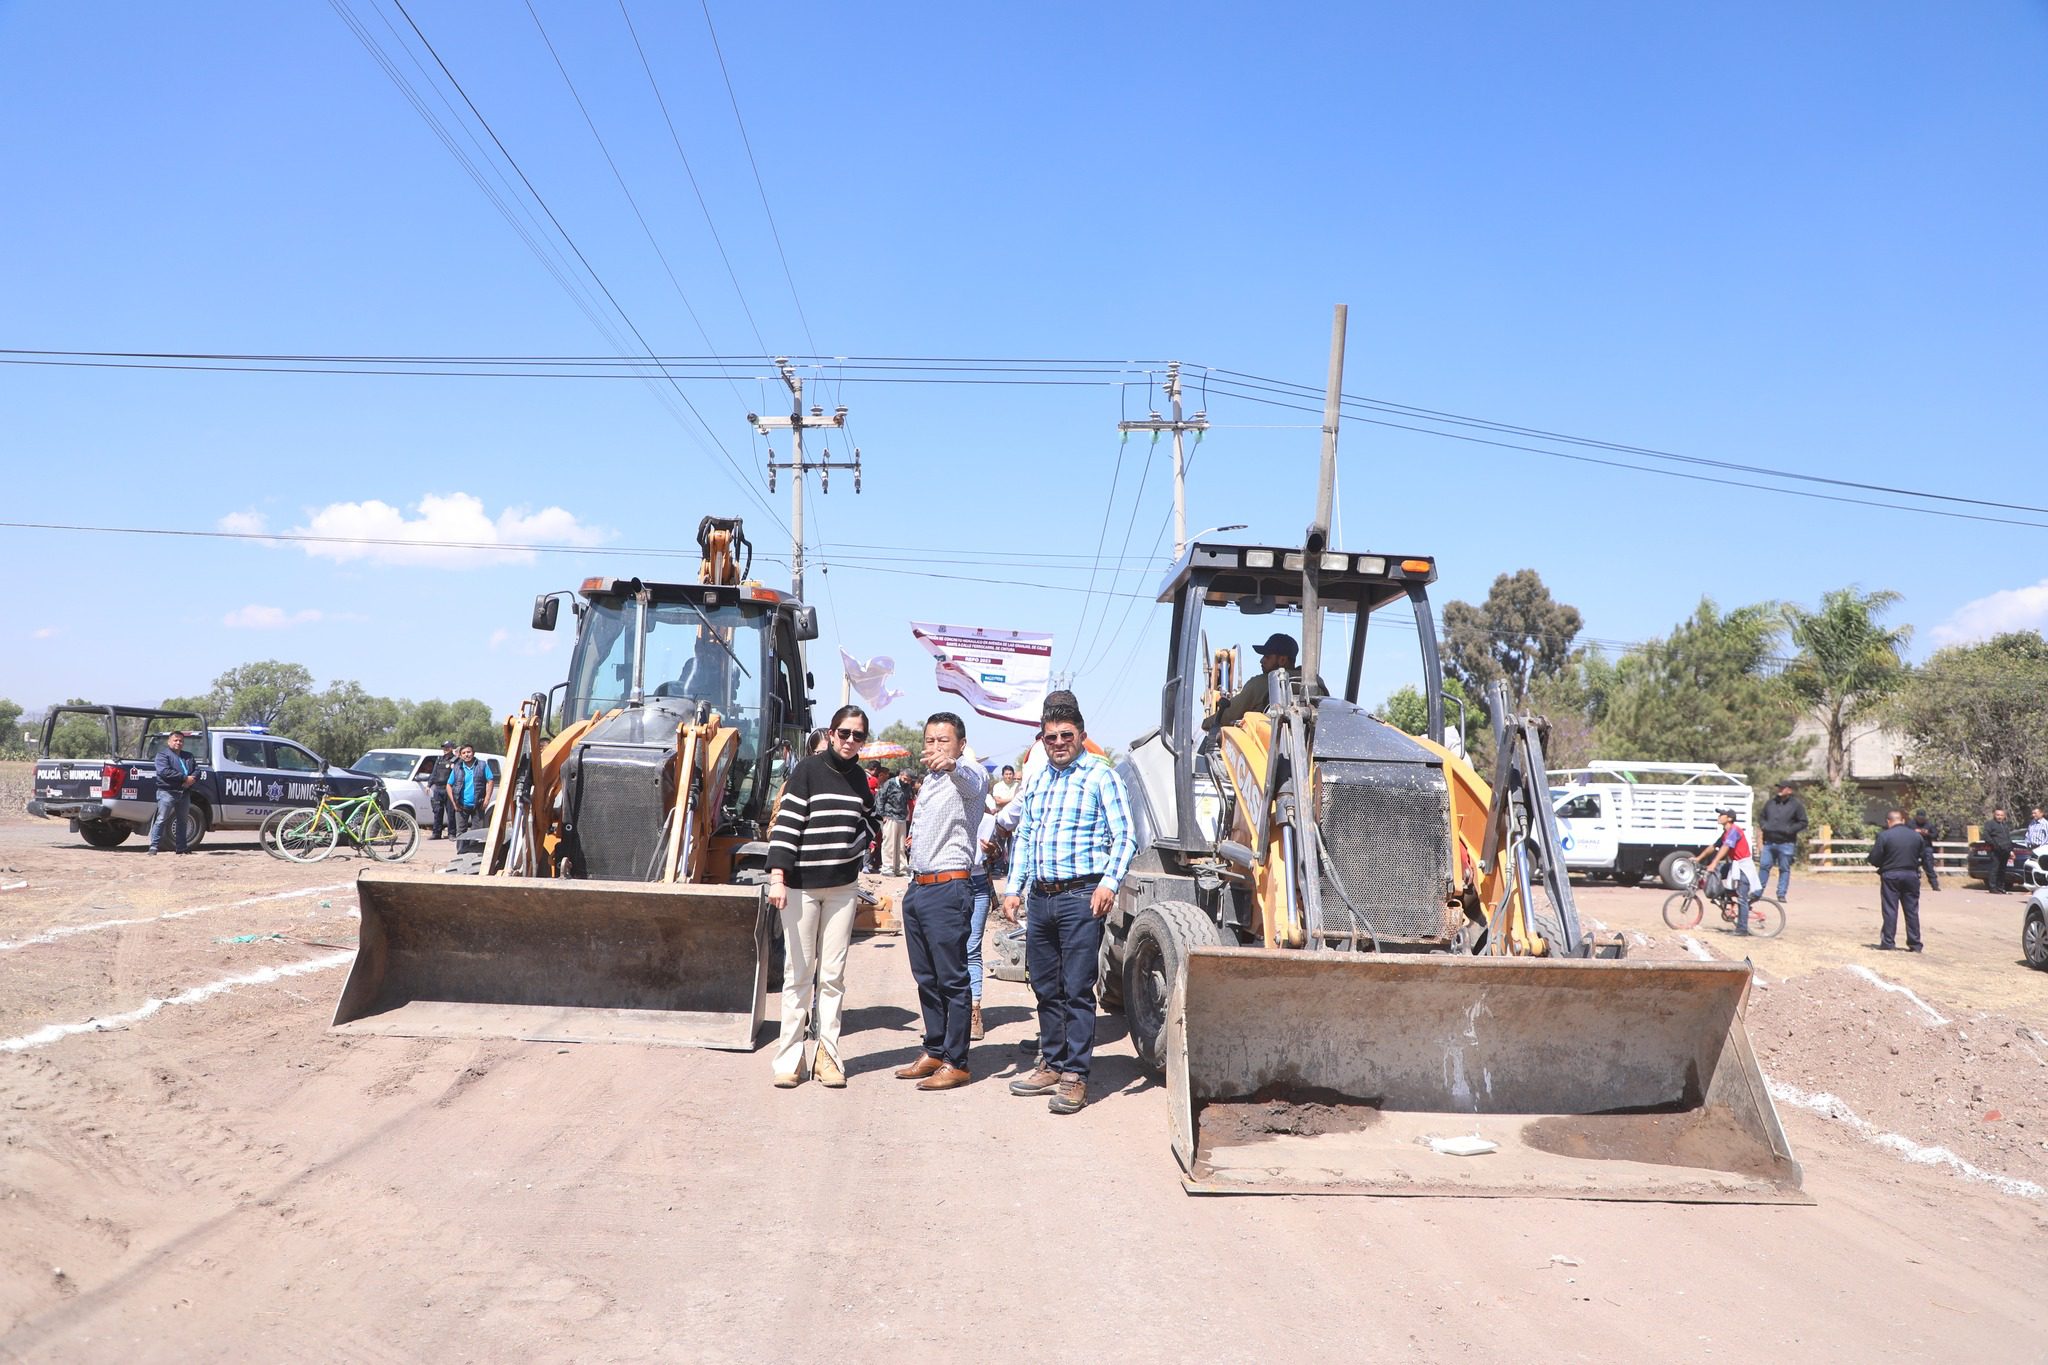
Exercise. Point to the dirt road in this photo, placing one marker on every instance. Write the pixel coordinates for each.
(223, 1179)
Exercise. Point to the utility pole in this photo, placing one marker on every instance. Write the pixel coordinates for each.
(796, 424)
(1318, 537)
(1198, 423)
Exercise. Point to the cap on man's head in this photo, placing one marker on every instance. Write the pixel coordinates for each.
(1280, 644)
(447, 743)
(1784, 786)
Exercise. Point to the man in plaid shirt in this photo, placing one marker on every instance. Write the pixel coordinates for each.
(1073, 845)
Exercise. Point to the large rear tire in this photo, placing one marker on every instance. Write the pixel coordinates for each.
(2034, 939)
(1677, 871)
(104, 833)
(1154, 960)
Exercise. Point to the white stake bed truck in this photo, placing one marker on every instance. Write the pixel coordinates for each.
(1633, 821)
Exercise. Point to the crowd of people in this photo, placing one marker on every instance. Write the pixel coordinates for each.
(1059, 839)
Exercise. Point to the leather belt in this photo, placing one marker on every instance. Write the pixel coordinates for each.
(1065, 884)
(934, 878)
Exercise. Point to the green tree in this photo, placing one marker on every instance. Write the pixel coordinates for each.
(1705, 693)
(468, 721)
(1847, 664)
(346, 722)
(12, 745)
(1406, 709)
(79, 736)
(1573, 701)
(268, 692)
(913, 740)
(1978, 718)
(1519, 634)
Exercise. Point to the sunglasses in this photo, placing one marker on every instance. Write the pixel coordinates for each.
(845, 733)
(1061, 736)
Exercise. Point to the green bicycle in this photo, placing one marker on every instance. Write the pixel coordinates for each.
(308, 834)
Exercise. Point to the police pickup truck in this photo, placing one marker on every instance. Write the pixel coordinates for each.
(245, 773)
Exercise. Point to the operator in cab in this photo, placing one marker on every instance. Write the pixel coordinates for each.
(1279, 651)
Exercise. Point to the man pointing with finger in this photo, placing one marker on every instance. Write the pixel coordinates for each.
(1073, 846)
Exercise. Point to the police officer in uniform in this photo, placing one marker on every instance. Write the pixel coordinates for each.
(444, 813)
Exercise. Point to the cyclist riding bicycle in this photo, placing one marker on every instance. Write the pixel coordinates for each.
(1732, 849)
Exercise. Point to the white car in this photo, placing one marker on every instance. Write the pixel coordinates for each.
(407, 777)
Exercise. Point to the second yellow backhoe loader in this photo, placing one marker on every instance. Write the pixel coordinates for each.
(1358, 962)
(616, 893)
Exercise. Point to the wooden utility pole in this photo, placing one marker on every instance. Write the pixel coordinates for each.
(796, 424)
(1198, 423)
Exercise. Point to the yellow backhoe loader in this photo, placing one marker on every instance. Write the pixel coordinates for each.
(1358, 962)
(616, 893)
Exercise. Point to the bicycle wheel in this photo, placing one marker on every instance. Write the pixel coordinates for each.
(308, 835)
(1766, 917)
(389, 836)
(1682, 909)
(266, 836)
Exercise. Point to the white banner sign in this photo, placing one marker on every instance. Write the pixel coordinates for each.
(870, 681)
(1001, 674)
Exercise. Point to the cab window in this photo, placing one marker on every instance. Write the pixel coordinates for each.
(243, 753)
(1585, 807)
(293, 759)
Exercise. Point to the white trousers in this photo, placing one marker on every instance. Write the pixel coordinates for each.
(817, 929)
(892, 846)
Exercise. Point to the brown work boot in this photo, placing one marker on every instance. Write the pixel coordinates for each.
(790, 1082)
(945, 1078)
(828, 1071)
(1040, 1082)
(1070, 1095)
(919, 1069)
(975, 1032)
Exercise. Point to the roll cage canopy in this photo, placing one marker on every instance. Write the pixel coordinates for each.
(1346, 582)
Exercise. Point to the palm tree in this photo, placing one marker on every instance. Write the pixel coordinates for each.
(1847, 663)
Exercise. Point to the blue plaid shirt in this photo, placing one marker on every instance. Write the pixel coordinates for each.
(1076, 823)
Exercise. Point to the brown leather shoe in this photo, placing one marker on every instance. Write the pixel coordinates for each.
(919, 1069)
(975, 1031)
(1071, 1095)
(945, 1078)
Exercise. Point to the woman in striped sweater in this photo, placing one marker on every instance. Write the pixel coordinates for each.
(815, 850)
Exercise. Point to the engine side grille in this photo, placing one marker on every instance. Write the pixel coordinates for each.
(1388, 827)
(619, 808)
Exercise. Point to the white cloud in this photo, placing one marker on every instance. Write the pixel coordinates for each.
(45, 633)
(2005, 610)
(499, 637)
(258, 617)
(446, 532)
(243, 524)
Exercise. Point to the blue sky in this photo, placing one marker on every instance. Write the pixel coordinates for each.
(1801, 237)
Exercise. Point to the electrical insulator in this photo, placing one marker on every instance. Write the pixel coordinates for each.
(825, 479)
(771, 478)
(856, 470)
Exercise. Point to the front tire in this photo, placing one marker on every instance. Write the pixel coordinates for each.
(1678, 871)
(1155, 958)
(2034, 939)
(391, 837)
(104, 833)
(1682, 910)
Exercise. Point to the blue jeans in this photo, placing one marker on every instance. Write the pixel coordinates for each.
(170, 809)
(977, 921)
(935, 933)
(1062, 949)
(1781, 855)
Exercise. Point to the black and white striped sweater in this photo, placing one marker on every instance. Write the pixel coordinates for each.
(821, 832)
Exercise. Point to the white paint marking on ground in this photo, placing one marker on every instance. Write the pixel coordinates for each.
(1830, 1107)
(1933, 1016)
(99, 926)
(50, 1033)
(1696, 948)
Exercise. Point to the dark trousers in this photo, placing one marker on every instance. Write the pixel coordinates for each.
(1900, 890)
(936, 919)
(1062, 950)
(467, 818)
(2001, 863)
(444, 813)
(171, 807)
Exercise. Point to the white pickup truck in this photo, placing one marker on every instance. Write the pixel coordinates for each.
(1636, 820)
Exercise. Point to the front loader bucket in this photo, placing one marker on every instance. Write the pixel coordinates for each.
(1326, 1073)
(571, 961)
